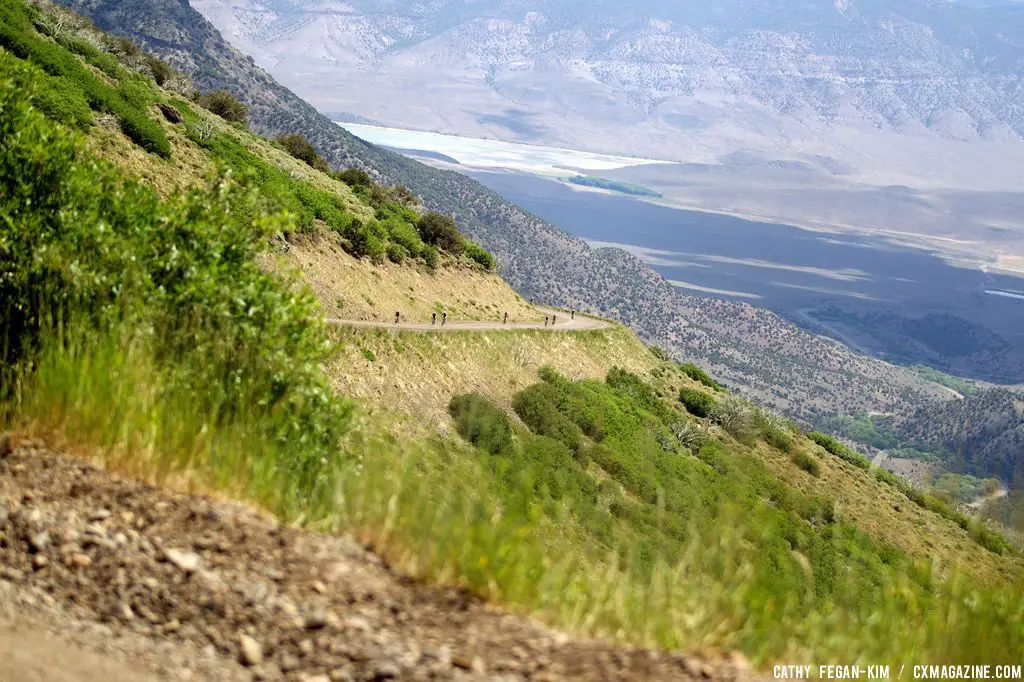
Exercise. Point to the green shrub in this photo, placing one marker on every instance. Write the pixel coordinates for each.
(301, 148)
(365, 243)
(158, 69)
(697, 374)
(482, 424)
(353, 177)
(697, 403)
(63, 102)
(141, 129)
(431, 257)
(774, 430)
(441, 231)
(806, 462)
(660, 353)
(106, 63)
(404, 234)
(58, 98)
(136, 93)
(480, 256)
(989, 539)
(397, 253)
(536, 407)
(840, 450)
(224, 104)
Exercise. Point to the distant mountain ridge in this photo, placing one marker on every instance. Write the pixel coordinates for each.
(752, 350)
(681, 80)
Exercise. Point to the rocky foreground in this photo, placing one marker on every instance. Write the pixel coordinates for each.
(104, 578)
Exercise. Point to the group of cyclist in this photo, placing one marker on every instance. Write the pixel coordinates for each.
(504, 319)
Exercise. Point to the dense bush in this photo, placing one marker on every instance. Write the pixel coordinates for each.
(158, 69)
(697, 403)
(300, 148)
(481, 423)
(431, 257)
(441, 231)
(840, 450)
(353, 177)
(405, 235)
(224, 104)
(536, 407)
(397, 253)
(697, 374)
(480, 256)
(366, 243)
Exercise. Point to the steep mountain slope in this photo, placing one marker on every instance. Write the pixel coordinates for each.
(982, 434)
(748, 348)
(792, 77)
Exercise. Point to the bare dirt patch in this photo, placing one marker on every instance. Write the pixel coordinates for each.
(188, 588)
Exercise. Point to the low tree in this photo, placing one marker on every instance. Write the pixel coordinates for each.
(441, 231)
(303, 150)
(225, 105)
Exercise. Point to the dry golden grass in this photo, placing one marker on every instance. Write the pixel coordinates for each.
(186, 168)
(411, 376)
(356, 289)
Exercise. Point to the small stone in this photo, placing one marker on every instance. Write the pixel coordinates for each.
(251, 651)
(5, 514)
(184, 561)
(10, 573)
(318, 586)
(316, 678)
(693, 667)
(39, 541)
(100, 515)
(386, 670)
(289, 662)
(79, 560)
(39, 562)
(340, 675)
(358, 623)
(316, 619)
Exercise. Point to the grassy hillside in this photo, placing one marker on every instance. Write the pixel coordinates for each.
(358, 289)
(163, 327)
(754, 350)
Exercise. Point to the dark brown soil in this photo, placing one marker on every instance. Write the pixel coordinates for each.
(184, 587)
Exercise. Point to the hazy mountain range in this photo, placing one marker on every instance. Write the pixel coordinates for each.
(904, 91)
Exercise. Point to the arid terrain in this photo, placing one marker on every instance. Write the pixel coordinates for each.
(150, 584)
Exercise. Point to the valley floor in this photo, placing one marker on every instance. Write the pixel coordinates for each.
(118, 580)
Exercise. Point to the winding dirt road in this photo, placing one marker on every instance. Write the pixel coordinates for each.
(563, 323)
